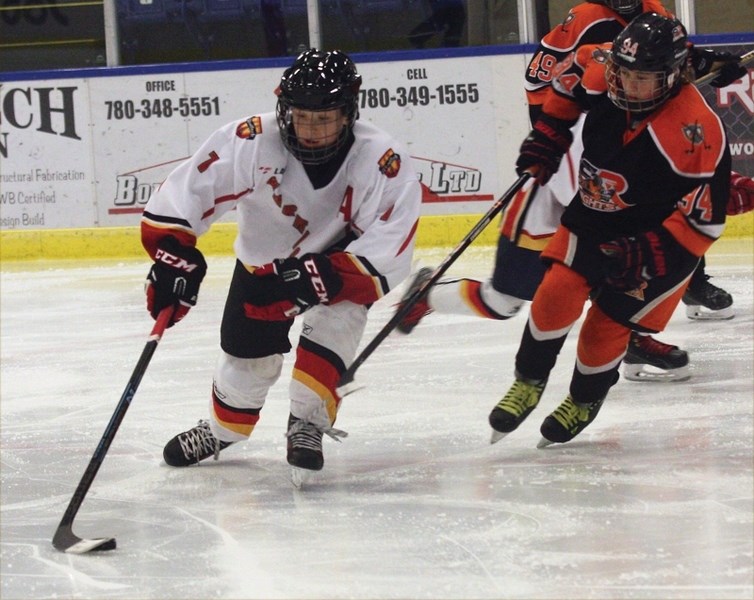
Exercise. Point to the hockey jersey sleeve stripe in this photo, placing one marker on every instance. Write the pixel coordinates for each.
(408, 239)
(696, 238)
(152, 233)
(362, 283)
(164, 221)
(226, 198)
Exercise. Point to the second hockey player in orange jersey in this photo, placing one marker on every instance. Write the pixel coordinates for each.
(653, 186)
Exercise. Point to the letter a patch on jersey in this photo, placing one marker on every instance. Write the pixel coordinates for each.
(390, 164)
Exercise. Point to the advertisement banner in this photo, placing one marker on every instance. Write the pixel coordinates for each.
(46, 171)
(89, 152)
(81, 153)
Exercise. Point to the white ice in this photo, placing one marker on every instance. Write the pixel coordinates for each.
(653, 500)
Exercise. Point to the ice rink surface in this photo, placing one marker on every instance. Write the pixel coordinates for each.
(653, 500)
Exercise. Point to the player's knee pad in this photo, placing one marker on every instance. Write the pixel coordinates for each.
(244, 382)
(338, 327)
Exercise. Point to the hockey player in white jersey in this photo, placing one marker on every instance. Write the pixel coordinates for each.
(327, 212)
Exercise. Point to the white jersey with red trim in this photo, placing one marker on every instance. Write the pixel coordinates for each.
(373, 199)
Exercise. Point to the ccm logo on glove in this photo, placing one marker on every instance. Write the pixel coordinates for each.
(174, 278)
(286, 287)
(319, 286)
(174, 261)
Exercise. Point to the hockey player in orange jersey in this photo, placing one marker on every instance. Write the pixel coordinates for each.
(653, 181)
(527, 226)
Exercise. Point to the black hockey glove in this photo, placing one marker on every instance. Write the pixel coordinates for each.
(704, 60)
(287, 287)
(174, 278)
(632, 261)
(544, 147)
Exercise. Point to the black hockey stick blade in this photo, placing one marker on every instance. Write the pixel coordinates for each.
(67, 541)
(346, 384)
(64, 539)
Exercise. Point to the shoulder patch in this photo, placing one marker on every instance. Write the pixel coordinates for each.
(592, 58)
(390, 164)
(250, 128)
(691, 138)
(570, 17)
(600, 55)
(694, 133)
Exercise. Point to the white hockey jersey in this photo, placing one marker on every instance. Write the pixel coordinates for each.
(374, 197)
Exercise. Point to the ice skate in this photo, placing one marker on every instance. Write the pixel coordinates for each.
(648, 359)
(510, 412)
(567, 421)
(193, 446)
(707, 302)
(305, 448)
(421, 309)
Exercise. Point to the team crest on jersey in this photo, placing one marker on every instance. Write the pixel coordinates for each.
(600, 55)
(390, 163)
(250, 128)
(568, 19)
(601, 189)
(638, 292)
(693, 133)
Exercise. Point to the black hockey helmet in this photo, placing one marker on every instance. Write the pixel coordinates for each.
(651, 44)
(318, 80)
(623, 7)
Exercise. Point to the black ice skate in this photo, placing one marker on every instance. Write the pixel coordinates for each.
(707, 302)
(648, 359)
(192, 446)
(510, 412)
(305, 447)
(421, 309)
(567, 421)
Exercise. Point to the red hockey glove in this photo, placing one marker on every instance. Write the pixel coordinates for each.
(544, 147)
(174, 278)
(633, 260)
(741, 199)
(704, 60)
(287, 287)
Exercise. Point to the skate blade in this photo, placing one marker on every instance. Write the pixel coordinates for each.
(299, 477)
(701, 313)
(649, 374)
(497, 436)
(544, 442)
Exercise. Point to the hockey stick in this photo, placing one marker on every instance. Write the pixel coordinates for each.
(65, 540)
(345, 385)
(745, 60)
